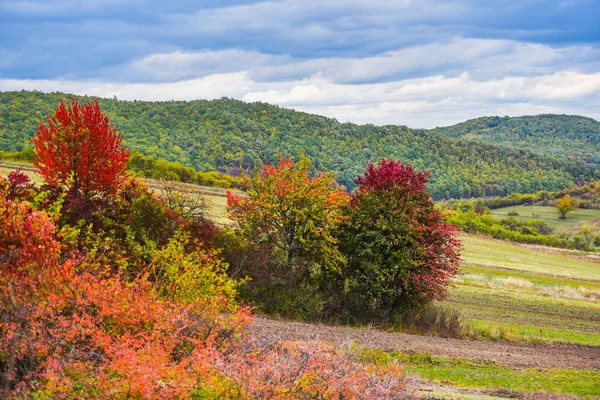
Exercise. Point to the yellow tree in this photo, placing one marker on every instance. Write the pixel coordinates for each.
(566, 205)
(293, 212)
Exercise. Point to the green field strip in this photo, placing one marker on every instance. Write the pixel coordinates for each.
(484, 252)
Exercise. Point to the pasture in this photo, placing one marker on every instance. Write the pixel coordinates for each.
(549, 215)
(518, 293)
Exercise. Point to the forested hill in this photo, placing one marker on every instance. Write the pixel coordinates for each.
(566, 136)
(226, 134)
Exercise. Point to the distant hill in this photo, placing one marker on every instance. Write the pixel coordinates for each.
(566, 136)
(228, 134)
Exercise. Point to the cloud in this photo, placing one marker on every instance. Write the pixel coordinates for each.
(482, 58)
(185, 65)
(213, 86)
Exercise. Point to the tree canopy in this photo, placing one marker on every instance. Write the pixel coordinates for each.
(80, 149)
(226, 135)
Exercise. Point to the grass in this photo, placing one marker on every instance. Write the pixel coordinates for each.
(517, 293)
(216, 209)
(487, 375)
(550, 215)
(490, 253)
(532, 334)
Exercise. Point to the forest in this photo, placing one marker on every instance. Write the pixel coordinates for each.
(228, 135)
(565, 136)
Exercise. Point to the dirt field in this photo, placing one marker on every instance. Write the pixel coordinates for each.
(514, 355)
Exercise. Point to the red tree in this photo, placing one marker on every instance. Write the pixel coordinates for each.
(401, 252)
(81, 150)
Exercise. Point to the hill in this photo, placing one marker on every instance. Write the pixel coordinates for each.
(566, 136)
(228, 134)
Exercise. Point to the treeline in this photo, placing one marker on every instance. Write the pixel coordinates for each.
(226, 135)
(588, 195)
(533, 231)
(149, 167)
(565, 136)
(474, 217)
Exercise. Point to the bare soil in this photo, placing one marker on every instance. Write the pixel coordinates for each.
(513, 355)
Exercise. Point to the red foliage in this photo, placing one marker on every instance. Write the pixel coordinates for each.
(393, 175)
(313, 370)
(80, 149)
(401, 249)
(19, 185)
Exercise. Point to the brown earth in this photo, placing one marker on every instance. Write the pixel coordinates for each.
(513, 355)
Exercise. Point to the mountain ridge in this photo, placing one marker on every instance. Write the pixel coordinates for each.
(227, 135)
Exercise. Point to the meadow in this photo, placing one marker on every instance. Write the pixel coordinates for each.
(549, 215)
(529, 294)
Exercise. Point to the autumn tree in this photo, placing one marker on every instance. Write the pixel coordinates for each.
(401, 252)
(565, 205)
(293, 211)
(81, 150)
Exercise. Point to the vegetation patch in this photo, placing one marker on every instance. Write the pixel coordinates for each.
(486, 375)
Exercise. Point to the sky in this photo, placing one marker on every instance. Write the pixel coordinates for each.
(420, 63)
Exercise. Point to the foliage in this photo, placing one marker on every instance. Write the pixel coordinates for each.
(292, 212)
(566, 205)
(400, 250)
(566, 136)
(150, 167)
(69, 329)
(226, 135)
(80, 149)
(532, 231)
(192, 275)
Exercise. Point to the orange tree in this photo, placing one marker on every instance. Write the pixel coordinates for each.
(293, 213)
(80, 149)
(401, 252)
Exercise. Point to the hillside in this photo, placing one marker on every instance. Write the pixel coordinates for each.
(228, 134)
(566, 136)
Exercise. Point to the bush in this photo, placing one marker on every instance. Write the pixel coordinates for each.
(69, 329)
(401, 252)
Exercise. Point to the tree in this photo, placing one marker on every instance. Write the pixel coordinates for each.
(292, 211)
(566, 205)
(80, 149)
(401, 252)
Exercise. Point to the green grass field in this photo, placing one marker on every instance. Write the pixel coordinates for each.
(486, 375)
(549, 214)
(512, 292)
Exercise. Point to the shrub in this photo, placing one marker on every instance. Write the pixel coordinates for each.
(68, 330)
(291, 215)
(401, 252)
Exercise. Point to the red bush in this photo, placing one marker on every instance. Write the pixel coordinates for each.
(401, 252)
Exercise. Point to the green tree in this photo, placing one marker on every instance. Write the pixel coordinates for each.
(401, 252)
(565, 205)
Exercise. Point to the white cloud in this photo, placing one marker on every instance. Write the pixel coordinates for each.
(185, 65)
(482, 58)
(213, 86)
